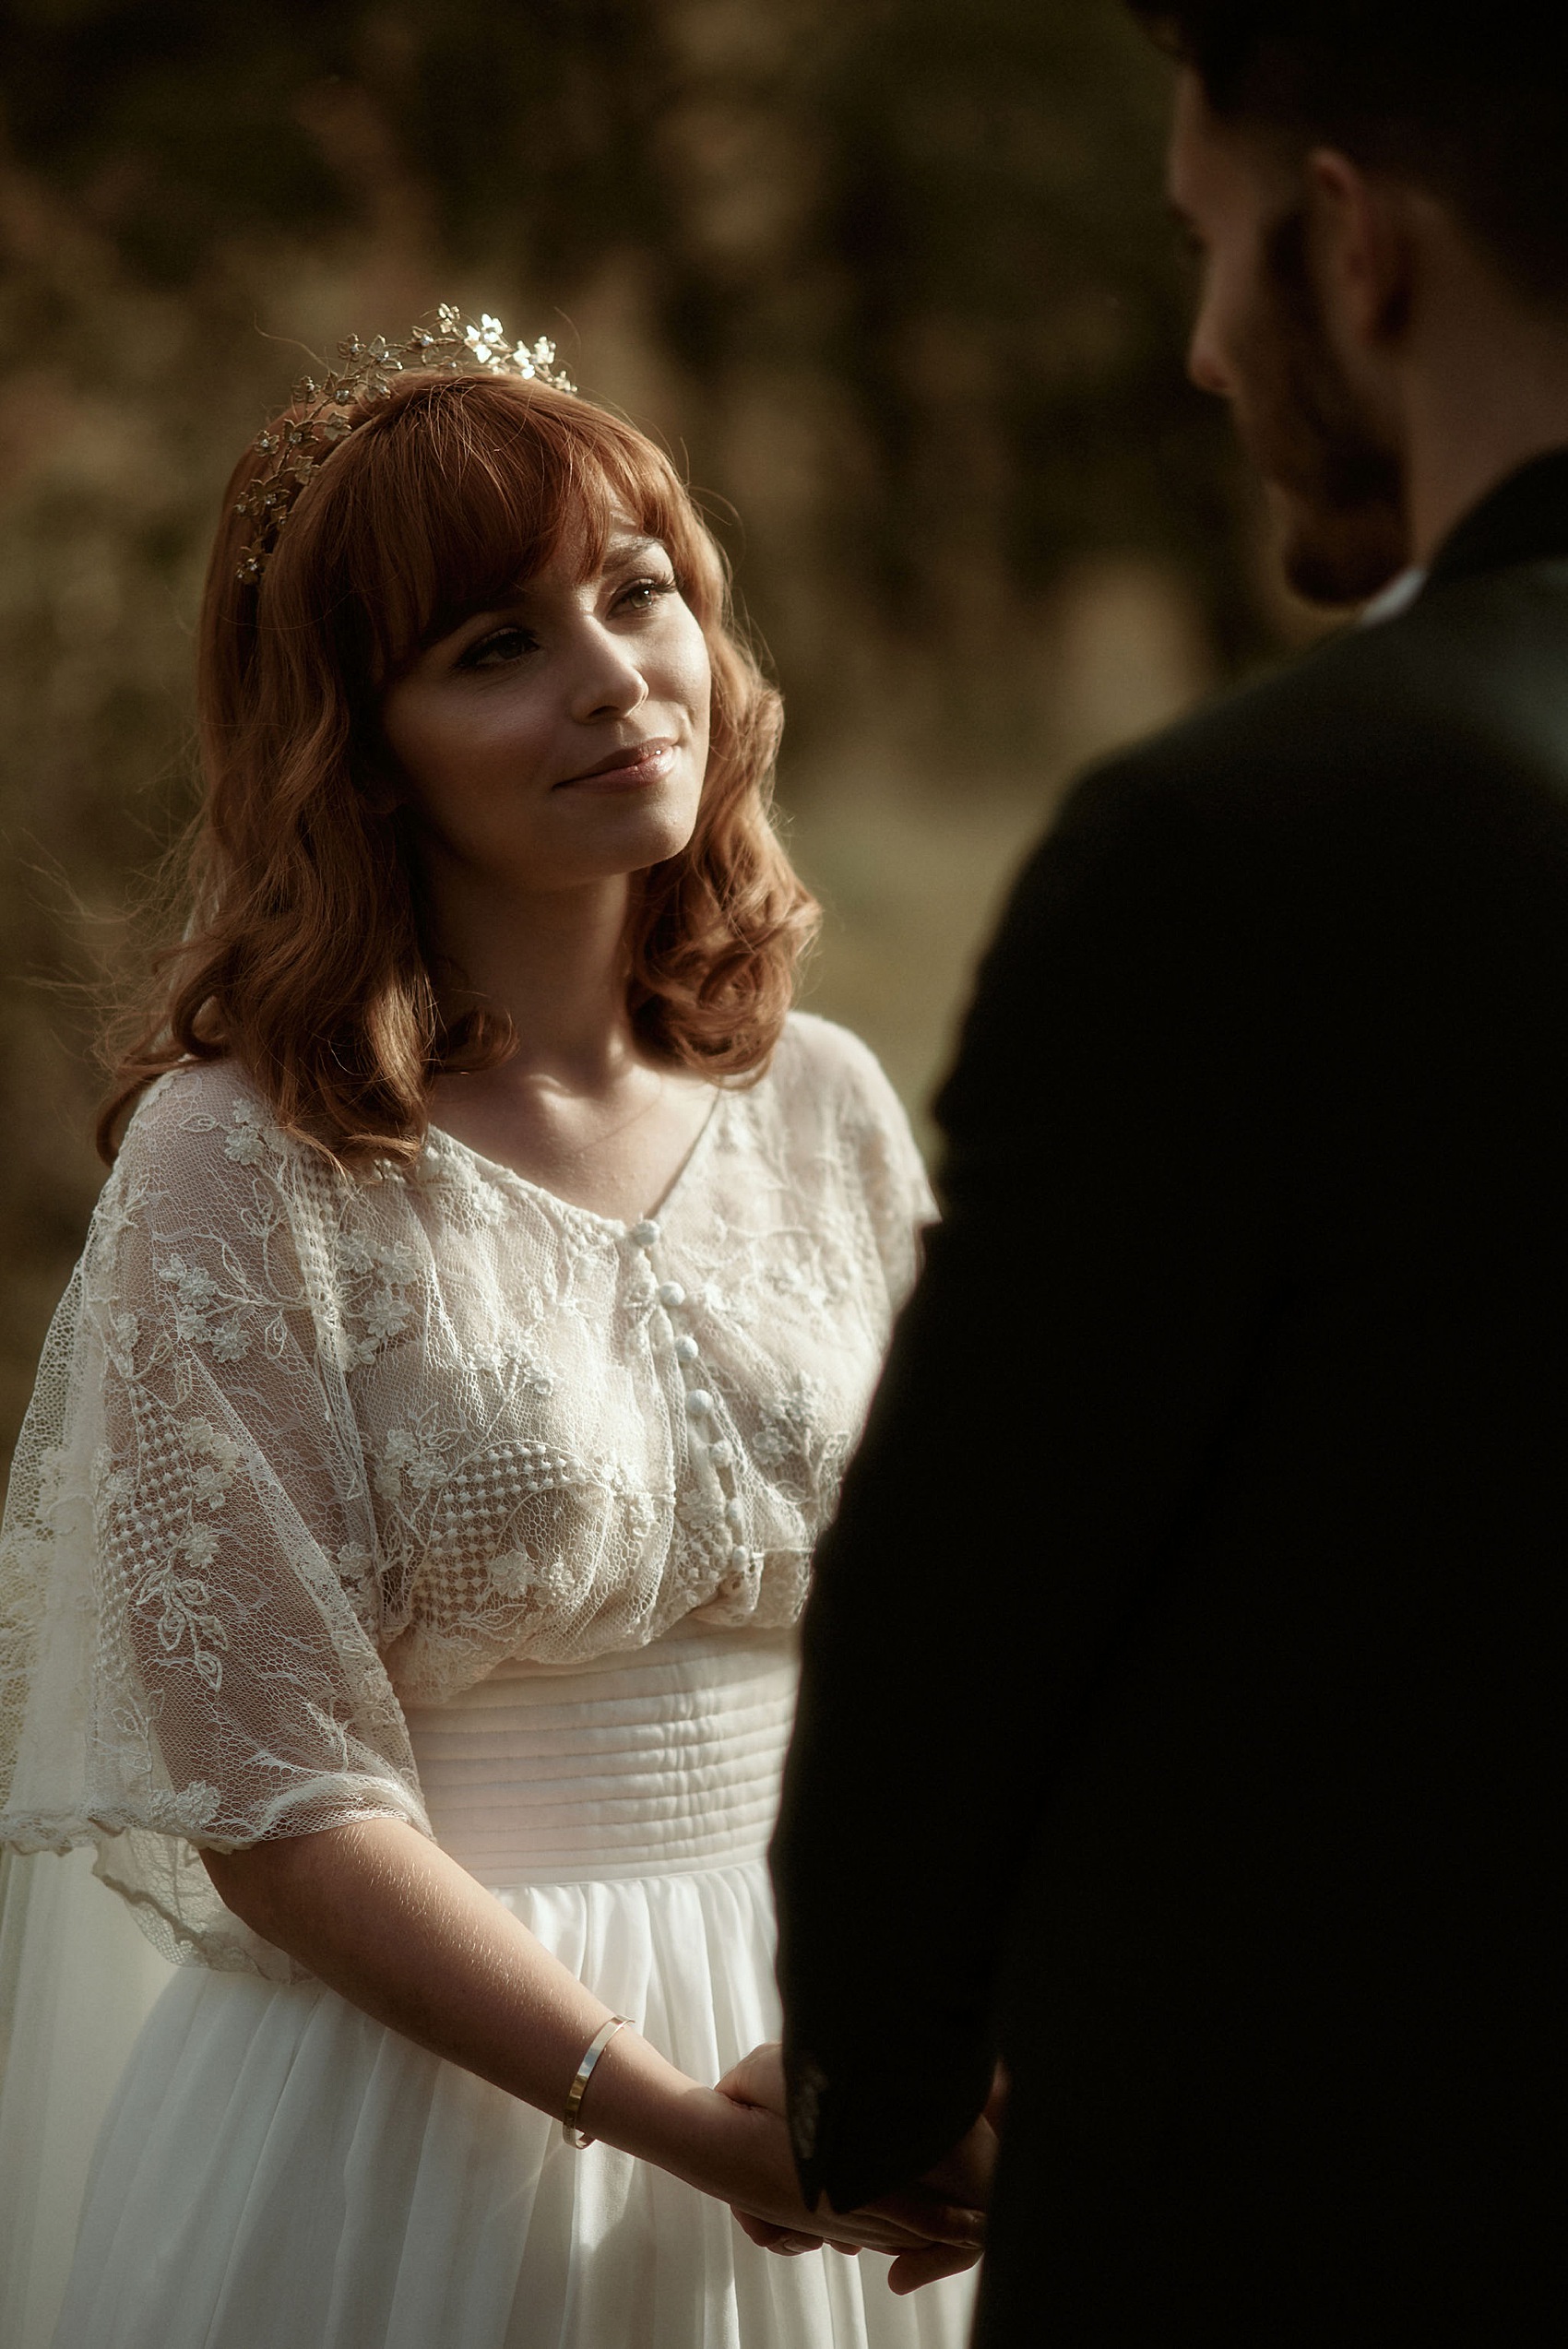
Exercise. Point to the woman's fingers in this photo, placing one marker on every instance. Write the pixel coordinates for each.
(921, 2264)
(960, 2234)
(910, 2270)
(931, 2226)
(920, 2211)
(770, 2237)
(763, 2232)
(876, 2228)
(754, 2173)
(781, 2239)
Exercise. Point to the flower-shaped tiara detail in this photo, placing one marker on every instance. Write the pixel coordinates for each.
(453, 345)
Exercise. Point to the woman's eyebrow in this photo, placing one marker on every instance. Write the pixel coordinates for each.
(619, 549)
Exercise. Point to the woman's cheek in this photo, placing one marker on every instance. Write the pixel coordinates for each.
(698, 691)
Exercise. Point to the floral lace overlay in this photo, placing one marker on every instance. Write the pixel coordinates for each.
(308, 1446)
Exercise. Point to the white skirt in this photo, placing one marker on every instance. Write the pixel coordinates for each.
(278, 2171)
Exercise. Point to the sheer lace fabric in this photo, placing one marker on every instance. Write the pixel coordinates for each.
(309, 1447)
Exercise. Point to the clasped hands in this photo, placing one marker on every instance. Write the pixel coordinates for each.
(933, 2228)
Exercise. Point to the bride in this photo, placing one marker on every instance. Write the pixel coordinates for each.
(402, 1549)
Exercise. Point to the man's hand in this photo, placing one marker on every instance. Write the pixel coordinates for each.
(965, 2177)
(947, 2205)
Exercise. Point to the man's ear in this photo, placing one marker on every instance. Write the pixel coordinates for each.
(1359, 236)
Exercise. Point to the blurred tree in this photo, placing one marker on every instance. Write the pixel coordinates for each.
(936, 229)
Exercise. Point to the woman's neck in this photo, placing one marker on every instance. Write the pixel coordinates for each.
(554, 962)
(577, 1107)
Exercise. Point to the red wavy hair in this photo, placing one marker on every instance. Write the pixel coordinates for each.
(303, 957)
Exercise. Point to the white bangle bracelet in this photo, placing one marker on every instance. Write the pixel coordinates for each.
(591, 2054)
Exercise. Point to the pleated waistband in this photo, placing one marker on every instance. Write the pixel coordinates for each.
(652, 1763)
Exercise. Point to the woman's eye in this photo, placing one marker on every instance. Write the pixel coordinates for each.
(641, 595)
(501, 646)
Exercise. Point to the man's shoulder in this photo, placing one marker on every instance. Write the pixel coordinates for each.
(1468, 686)
(1429, 749)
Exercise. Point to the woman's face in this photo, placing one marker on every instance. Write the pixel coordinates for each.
(562, 738)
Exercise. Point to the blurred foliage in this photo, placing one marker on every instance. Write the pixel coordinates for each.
(935, 231)
(891, 276)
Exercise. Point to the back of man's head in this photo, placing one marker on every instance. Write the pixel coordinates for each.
(1466, 98)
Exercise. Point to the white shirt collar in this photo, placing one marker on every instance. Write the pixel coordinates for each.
(1398, 596)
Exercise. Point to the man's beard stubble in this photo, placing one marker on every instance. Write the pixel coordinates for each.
(1339, 478)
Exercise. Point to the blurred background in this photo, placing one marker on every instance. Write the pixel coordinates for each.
(893, 280)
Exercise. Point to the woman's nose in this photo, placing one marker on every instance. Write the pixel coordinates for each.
(608, 681)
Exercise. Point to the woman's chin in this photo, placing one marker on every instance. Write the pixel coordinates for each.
(619, 842)
(632, 831)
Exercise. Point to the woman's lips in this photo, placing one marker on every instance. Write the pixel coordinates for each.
(631, 769)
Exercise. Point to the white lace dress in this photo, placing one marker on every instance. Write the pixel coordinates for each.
(434, 1497)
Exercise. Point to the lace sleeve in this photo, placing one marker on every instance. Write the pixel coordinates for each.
(187, 1584)
(896, 1191)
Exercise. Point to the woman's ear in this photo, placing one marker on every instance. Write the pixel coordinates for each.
(381, 785)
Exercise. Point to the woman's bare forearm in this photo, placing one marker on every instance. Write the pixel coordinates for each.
(387, 1918)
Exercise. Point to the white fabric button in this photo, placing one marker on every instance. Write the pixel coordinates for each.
(644, 1234)
(699, 1403)
(739, 1559)
(671, 1293)
(685, 1350)
(735, 1514)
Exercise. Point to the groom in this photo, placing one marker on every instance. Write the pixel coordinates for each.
(1184, 1679)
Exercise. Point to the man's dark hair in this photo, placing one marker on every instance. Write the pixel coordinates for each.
(1466, 98)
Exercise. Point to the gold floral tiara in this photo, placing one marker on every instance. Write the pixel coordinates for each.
(453, 345)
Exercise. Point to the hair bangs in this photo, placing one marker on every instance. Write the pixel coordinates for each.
(463, 489)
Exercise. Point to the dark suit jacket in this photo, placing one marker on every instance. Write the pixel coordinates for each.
(1185, 1671)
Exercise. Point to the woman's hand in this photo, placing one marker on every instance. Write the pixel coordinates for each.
(739, 2152)
(380, 1915)
(939, 2219)
(758, 2079)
